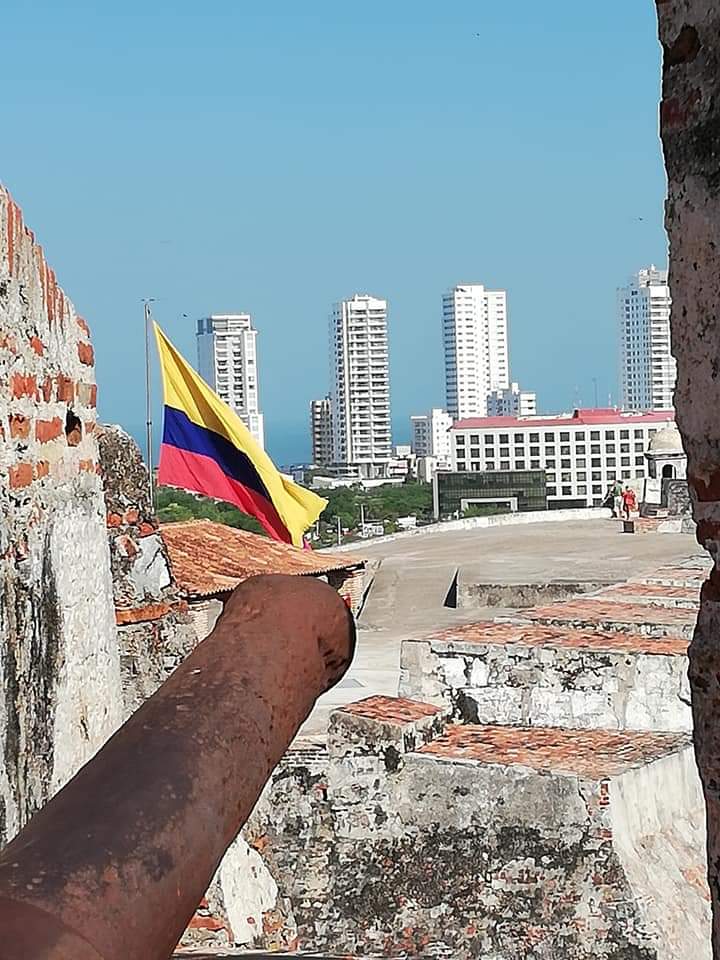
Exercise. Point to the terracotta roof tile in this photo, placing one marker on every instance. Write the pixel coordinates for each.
(391, 709)
(595, 754)
(536, 635)
(609, 615)
(653, 592)
(210, 558)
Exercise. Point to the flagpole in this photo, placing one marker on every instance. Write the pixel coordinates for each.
(148, 403)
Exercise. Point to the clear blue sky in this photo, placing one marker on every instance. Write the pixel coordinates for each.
(277, 156)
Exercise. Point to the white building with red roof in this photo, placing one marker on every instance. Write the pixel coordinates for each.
(581, 453)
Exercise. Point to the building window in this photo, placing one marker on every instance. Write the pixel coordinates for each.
(610, 448)
(504, 438)
(564, 437)
(581, 462)
(549, 463)
(475, 465)
(582, 489)
(594, 434)
(534, 438)
(582, 475)
(580, 448)
(566, 464)
(519, 464)
(504, 464)
(580, 435)
(639, 461)
(549, 438)
(549, 451)
(489, 440)
(519, 438)
(474, 451)
(638, 434)
(504, 451)
(624, 448)
(490, 465)
(596, 475)
(534, 464)
(624, 461)
(611, 461)
(597, 488)
(595, 448)
(534, 451)
(552, 491)
(462, 465)
(566, 477)
(639, 447)
(475, 438)
(519, 452)
(567, 491)
(596, 462)
(624, 434)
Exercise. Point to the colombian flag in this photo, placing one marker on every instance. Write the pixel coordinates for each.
(207, 448)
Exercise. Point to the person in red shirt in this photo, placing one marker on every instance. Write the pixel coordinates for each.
(629, 502)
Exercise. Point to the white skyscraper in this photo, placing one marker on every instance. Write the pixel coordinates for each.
(360, 388)
(227, 360)
(431, 435)
(475, 339)
(321, 431)
(647, 368)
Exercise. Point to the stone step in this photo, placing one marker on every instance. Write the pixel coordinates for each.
(653, 594)
(547, 675)
(594, 613)
(678, 576)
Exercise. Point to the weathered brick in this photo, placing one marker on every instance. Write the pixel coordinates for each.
(131, 517)
(114, 520)
(83, 326)
(42, 469)
(155, 611)
(47, 389)
(46, 430)
(21, 475)
(24, 386)
(87, 394)
(37, 345)
(86, 354)
(147, 529)
(65, 389)
(19, 426)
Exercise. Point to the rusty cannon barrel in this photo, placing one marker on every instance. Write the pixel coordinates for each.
(113, 867)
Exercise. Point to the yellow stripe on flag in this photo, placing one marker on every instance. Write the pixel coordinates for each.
(185, 390)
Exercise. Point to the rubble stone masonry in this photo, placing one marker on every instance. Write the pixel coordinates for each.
(59, 665)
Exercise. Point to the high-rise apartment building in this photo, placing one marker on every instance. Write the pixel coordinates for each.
(512, 402)
(475, 339)
(647, 367)
(321, 431)
(227, 360)
(360, 391)
(431, 435)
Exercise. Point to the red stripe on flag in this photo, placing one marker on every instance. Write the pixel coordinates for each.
(201, 474)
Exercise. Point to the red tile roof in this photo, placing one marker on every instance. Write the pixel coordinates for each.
(580, 418)
(210, 558)
(535, 635)
(599, 612)
(391, 709)
(594, 754)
